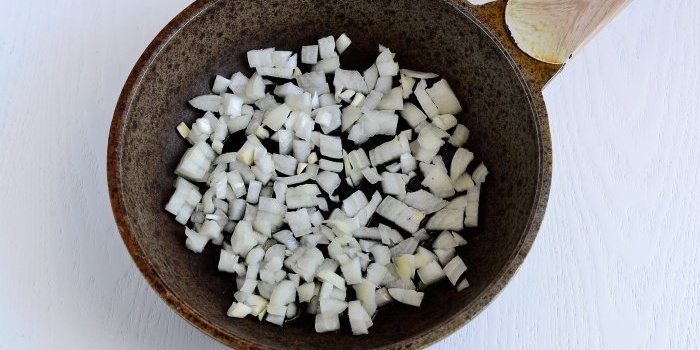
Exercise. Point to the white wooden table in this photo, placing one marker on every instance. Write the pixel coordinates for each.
(616, 265)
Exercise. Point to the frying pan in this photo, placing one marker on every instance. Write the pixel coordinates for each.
(494, 58)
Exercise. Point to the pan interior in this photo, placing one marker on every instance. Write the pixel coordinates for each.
(427, 36)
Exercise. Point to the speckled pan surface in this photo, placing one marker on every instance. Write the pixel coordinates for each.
(500, 90)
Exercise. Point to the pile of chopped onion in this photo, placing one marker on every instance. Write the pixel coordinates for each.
(341, 195)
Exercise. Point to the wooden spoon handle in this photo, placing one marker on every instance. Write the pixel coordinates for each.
(554, 30)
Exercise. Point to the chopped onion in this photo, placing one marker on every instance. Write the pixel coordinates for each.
(328, 181)
(406, 296)
(309, 54)
(418, 75)
(471, 215)
(479, 174)
(424, 100)
(326, 47)
(430, 273)
(459, 164)
(392, 100)
(444, 98)
(438, 182)
(342, 43)
(331, 146)
(210, 103)
(446, 219)
(454, 269)
(280, 231)
(389, 151)
(370, 76)
(372, 175)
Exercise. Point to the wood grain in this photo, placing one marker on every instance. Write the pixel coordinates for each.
(554, 30)
(615, 265)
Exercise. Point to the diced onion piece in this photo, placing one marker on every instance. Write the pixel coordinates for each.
(360, 320)
(463, 183)
(444, 255)
(238, 310)
(445, 241)
(350, 79)
(347, 95)
(328, 165)
(195, 163)
(424, 100)
(285, 164)
(255, 89)
(471, 217)
(438, 182)
(370, 76)
(342, 43)
(408, 163)
(373, 123)
(387, 69)
(328, 181)
(352, 272)
(382, 297)
(389, 151)
(243, 238)
(462, 285)
(238, 83)
(354, 203)
(407, 84)
(308, 263)
(210, 103)
(421, 235)
(459, 164)
(299, 222)
(327, 323)
(446, 219)
(260, 58)
(402, 215)
(349, 116)
(301, 150)
(288, 89)
(276, 117)
(195, 241)
(392, 100)
(444, 98)
(327, 65)
(418, 75)
(394, 184)
(454, 269)
(183, 130)
(384, 84)
(362, 217)
(445, 121)
(459, 136)
(302, 196)
(371, 175)
(407, 246)
(306, 291)
(372, 101)
(329, 118)
(326, 47)
(309, 54)
(331, 146)
(313, 82)
(406, 296)
(430, 273)
(479, 174)
(423, 256)
(332, 278)
(253, 195)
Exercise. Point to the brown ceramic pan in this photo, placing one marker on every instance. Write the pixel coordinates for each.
(471, 46)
